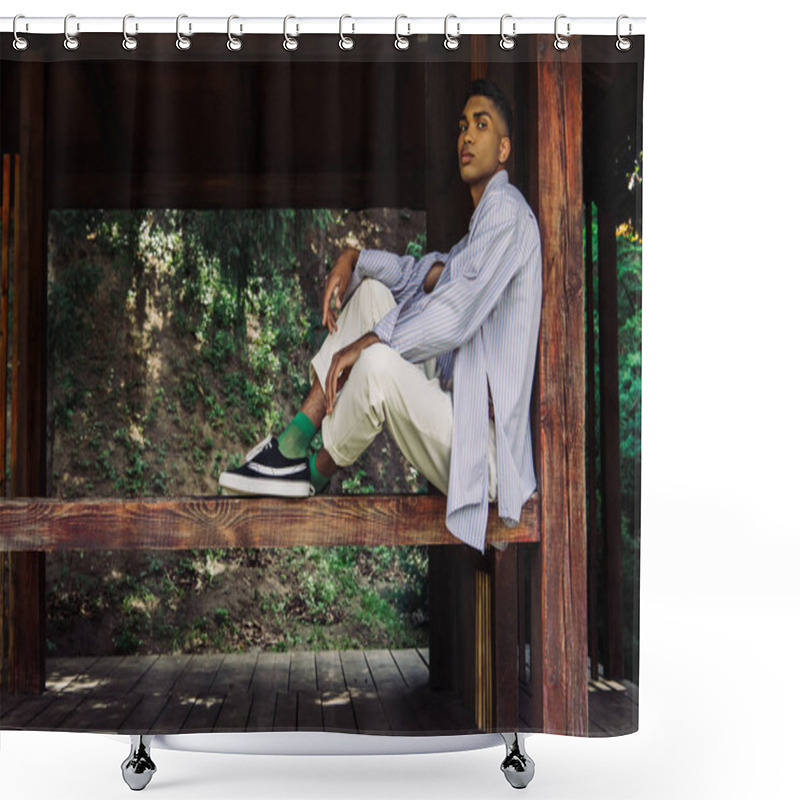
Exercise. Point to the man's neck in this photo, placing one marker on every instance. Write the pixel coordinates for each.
(477, 189)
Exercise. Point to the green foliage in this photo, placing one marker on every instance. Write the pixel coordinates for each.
(239, 292)
(416, 247)
(356, 484)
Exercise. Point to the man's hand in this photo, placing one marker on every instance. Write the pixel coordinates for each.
(336, 286)
(341, 364)
(432, 277)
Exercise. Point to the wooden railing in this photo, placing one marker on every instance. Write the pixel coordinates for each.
(45, 524)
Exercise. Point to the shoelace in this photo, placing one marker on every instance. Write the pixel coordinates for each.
(258, 448)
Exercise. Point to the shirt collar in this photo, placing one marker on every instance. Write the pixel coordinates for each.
(498, 180)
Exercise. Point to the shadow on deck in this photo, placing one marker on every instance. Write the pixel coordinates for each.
(364, 691)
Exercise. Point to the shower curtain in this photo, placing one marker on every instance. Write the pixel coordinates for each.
(170, 219)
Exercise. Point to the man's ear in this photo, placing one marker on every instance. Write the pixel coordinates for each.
(505, 149)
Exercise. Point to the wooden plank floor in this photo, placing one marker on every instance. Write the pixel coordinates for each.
(372, 691)
(613, 707)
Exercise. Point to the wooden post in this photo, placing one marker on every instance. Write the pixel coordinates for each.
(448, 208)
(4, 258)
(609, 426)
(26, 570)
(6, 244)
(559, 587)
(591, 453)
(505, 624)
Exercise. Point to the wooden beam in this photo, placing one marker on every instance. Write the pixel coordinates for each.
(196, 522)
(559, 655)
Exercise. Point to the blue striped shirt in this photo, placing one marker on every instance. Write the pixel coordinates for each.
(481, 322)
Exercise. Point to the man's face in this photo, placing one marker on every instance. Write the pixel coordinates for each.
(483, 143)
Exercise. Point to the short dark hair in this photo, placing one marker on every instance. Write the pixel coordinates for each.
(489, 89)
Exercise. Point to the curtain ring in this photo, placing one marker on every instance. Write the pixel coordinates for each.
(451, 42)
(70, 42)
(129, 42)
(623, 44)
(561, 43)
(183, 42)
(345, 42)
(401, 42)
(20, 42)
(289, 42)
(507, 42)
(234, 42)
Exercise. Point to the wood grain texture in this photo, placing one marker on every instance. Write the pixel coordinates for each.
(92, 697)
(197, 522)
(561, 578)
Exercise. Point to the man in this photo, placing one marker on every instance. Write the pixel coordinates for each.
(440, 350)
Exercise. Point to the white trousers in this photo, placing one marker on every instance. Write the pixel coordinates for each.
(385, 389)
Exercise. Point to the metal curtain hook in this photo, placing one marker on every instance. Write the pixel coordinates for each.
(129, 42)
(234, 42)
(623, 44)
(183, 42)
(20, 42)
(451, 42)
(289, 43)
(70, 42)
(400, 42)
(507, 42)
(345, 42)
(561, 43)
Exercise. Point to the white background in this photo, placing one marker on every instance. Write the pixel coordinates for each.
(720, 605)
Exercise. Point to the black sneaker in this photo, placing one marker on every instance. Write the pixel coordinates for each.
(268, 472)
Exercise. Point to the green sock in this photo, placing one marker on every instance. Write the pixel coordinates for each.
(318, 480)
(294, 441)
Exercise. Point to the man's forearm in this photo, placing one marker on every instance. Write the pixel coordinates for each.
(403, 275)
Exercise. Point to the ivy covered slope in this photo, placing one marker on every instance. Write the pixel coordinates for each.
(178, 339)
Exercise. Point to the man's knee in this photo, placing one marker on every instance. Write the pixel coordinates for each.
(373, 292)
(374, 366)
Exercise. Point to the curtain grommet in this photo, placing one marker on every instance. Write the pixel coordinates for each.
(507, 42)
(346, 42)
(234, 42)
(20, 42)
(401, 42)
(289, 42)
(182, 42)
(623, 44)
(71, 43)
(129, 42)
(561, 43)
(451, 42)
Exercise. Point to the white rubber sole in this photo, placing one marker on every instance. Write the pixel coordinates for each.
(231, 483)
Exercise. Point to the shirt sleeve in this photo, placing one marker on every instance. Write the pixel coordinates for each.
(403, 275)
(442, 321)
